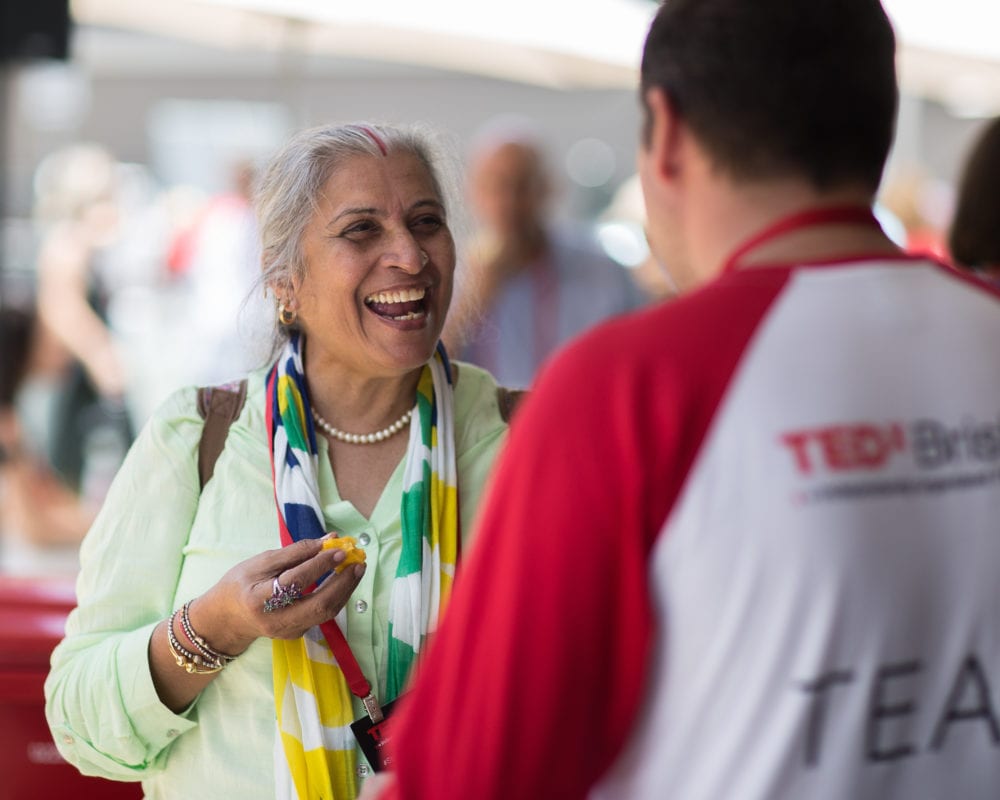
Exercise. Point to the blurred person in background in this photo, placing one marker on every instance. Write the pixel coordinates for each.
(531, 284)
(974, 236)
(42, 521)
(195, 628)
(76, 207)
(921, 205)
(217, 256)
(743, 544)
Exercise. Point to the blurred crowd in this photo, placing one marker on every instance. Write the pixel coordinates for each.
(134, 289)
(129, 292)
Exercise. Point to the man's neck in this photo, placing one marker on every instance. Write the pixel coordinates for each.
(723, 216)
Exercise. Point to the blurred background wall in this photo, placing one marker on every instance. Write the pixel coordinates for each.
(178, 86)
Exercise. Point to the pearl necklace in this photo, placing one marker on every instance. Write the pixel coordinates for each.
(363, 438)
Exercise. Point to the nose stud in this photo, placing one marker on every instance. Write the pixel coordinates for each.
(424, 258)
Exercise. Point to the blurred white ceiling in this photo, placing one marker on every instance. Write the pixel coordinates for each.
(949, 51)
(966, 28)
(558, 43)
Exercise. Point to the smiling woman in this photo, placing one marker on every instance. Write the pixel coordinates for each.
(376, 275)
(209, 614)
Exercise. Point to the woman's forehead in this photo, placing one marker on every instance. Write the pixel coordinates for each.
(380, 182)
(363, 168)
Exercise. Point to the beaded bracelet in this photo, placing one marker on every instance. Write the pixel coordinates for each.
(200, 644)
(193, 663)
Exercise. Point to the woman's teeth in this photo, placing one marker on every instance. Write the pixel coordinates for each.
(402, 304)
(403, 296)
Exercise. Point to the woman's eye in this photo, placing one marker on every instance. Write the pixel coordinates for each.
(359, 228)
(428, 223)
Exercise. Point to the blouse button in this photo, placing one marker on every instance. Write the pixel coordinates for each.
(364, 540)
(361, 606)
(362, 771)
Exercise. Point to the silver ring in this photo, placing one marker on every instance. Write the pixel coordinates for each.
(281, 596)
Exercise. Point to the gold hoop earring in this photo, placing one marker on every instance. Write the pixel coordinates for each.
(285, 315)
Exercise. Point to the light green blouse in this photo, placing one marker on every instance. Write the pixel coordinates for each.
(156, 544)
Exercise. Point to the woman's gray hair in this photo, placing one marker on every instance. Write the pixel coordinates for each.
(289, 189)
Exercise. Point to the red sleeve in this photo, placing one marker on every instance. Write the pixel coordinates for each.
(538, 670)
(549, 627)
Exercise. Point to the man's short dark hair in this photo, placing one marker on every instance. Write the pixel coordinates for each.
(776, 88)
(974, 239)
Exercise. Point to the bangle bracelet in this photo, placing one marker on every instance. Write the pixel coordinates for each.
(193, 663)
(200, 644)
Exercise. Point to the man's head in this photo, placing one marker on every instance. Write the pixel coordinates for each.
(974, 237)
(754, 104)
(779, 88)
(508, 183)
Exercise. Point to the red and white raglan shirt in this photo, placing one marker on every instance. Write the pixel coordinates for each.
(744, 545)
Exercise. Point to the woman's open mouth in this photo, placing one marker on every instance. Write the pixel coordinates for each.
(399, 305)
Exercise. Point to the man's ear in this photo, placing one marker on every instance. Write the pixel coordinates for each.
(666, 135)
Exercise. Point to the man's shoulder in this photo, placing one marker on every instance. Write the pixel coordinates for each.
(614, 357)
(664, 365)
(692, 328)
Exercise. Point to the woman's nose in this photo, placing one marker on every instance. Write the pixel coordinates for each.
(407, 254)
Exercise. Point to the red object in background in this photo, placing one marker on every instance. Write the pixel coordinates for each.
(32, 621)
(928, 242)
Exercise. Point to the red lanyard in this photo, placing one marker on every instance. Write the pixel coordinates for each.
(348, 664)
(352, 670)
(832, 215)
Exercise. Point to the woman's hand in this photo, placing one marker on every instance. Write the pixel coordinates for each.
(231, 615)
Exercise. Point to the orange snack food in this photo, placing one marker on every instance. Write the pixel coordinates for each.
(355, 555)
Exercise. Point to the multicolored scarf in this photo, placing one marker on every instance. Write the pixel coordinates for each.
(314, 749)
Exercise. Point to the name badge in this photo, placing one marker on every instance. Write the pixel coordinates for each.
(373, 737)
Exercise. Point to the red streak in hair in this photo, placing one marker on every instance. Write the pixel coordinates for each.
(375, 138)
